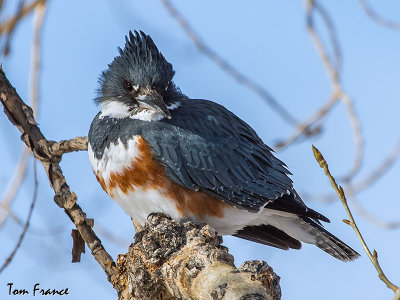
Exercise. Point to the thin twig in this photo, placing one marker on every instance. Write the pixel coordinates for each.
(26, 226)
(357, 137)
(14, 186)
(301, 128)
(34, 76)
(54, 230)
(332, 71)
(1, 5)
(337, 53)
(80, 143)
(339, 190)
(368, 181)
(371, 218)
(10, 31)
(313, 6)
(377, 18)
(332, 66)
(25, 9)
(377, 173)
(227, 67)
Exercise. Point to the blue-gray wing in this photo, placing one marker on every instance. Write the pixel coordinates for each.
(206, 147)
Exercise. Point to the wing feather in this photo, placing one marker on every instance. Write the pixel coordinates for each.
(206, 147)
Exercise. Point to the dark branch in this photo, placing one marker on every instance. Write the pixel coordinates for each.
(22, 117)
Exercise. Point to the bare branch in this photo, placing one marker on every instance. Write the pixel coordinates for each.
(332, 68)
(227, 67)
(333, 72)
(26, 226)
(371, 218)
(311, 7)
(357, 137)
(305, 126)
(372, 256)
(34, 78)
(1, 5)
(377, 173)
(21, 116)
(6, 26)
(79, 143)
(6, 48)
(35, 230)
(368, 181)
(377, 18)
(16, 181)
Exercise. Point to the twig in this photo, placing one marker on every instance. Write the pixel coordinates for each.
(311, 6)
(377, 18)
(25, 9)
(377, 173)
(54, 230)
(1, 5)
(21, 237)
(332, 67)
(6, 49)
(333, 72)
(34, 77)
(16, 181)
(357, 137)
(79, 143)
(226, 66)
(301, 128)
(369, 180)
(339, 190)
(371, 218)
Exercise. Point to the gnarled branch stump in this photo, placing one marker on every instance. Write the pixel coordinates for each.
(171, 260)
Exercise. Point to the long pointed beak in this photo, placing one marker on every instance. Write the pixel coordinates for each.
(152, 100)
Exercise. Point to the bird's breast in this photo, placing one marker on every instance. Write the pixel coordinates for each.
(138, 183)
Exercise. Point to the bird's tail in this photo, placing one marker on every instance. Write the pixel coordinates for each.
(327, 241)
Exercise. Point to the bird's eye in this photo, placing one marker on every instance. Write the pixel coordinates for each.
(128, 86)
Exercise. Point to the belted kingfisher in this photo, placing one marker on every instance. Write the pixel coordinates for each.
(153, 149)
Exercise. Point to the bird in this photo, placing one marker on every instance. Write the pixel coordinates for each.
(155, 150)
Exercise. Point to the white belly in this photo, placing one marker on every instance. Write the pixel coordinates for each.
(136, 202)
(139, 202)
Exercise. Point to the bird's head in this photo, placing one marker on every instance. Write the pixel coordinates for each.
(137, 81)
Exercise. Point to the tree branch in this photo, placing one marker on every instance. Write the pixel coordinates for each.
(377, 18)
(27, 222)
(171, 260)
(332, 67)
(351, 222)
(25, 9)
(22, 117)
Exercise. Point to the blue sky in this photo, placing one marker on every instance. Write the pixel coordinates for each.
(268, 41)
